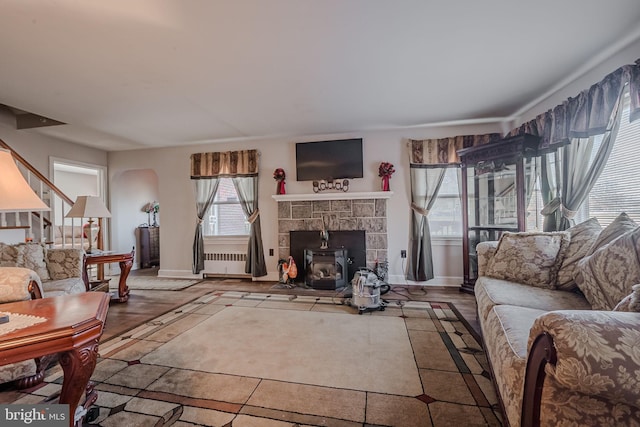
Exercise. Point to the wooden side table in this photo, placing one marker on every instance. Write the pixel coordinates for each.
(72, 329)
(126, 262)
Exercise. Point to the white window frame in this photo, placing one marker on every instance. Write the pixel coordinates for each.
(225, 238)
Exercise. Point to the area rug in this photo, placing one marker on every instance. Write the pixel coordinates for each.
(152, 283)
(250, 360)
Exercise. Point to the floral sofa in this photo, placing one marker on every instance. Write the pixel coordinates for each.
(29, 271)
(560, 323)
(59, 271)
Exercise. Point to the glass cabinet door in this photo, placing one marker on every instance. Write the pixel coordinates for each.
(498, 180)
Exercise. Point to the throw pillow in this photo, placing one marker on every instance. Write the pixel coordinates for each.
(31, 255)
(621, 225)
(582, 237)
(530, 258)
(609, 273)
(631, 302)
(8, 255)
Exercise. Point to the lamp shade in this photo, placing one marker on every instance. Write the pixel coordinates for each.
(88, 207)
(16, 195)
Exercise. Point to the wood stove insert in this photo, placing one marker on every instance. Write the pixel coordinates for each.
(325, 268)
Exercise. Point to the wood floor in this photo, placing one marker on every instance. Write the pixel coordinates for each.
(146, 305)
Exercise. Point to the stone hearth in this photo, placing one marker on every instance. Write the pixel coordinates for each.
(345, 214)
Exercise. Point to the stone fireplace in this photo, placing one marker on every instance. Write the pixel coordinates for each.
(341, 212)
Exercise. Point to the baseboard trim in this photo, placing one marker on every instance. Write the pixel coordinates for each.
(446, 281)
(178, 274)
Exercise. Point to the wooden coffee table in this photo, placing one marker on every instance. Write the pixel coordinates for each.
(72, 330)
(125, 260)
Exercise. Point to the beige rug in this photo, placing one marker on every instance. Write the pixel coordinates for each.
(152, 283)
(340, 350)
(240, 359)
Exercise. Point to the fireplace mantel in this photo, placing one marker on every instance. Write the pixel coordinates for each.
(333, 196)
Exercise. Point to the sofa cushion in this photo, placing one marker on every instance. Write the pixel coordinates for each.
(491, 292)
(8, 255)
(31, 255)
(505, 333)
(631, 302)
(607, 275)
(582, 238)
(531, 258)
(621, 225)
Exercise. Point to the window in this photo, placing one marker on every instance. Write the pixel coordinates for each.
(618, 188)
(225, 217)
(445, 217)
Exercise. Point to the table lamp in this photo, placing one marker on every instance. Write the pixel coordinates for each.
(16, 195)
(89, 207)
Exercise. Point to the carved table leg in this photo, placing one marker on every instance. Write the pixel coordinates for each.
(78, 365)
(123, 289)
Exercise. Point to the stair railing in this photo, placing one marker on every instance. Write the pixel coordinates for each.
(44, 230)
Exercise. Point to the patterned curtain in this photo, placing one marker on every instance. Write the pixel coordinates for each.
(589, 113)
(567, 133)
(429, 160)
(209, 167)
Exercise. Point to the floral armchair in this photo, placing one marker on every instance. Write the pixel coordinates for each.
(20, 284)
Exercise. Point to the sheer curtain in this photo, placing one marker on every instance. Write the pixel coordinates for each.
(429, 160)
(242, 167)
(568, 133)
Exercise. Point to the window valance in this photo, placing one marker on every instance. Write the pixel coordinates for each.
(227, 163)
(443, 151)
(589, 113)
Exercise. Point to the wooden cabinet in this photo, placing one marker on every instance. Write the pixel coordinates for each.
(497, 182)
(149, 249)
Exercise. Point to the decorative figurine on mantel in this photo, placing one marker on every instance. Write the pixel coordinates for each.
(279, 176)
(385, 171)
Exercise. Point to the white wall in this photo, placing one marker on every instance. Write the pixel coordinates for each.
(628, 55)
(140, 187)
(37, 148)
(178, 207)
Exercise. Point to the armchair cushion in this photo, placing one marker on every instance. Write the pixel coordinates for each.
(8, 255)
(15, 371)
(531, 258)
(31, 255)
(64, 263)
(71, 285)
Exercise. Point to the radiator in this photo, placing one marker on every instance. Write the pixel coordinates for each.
(227, 264)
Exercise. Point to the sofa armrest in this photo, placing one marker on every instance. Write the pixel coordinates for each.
(485, 251)
(19, 284)
(591, 352)
(65, 263)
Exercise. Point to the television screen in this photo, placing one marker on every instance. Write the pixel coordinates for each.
(329, 160)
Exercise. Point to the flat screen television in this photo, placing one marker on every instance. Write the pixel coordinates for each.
(329, 160)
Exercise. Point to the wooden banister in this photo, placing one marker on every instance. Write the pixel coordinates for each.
(35, 172)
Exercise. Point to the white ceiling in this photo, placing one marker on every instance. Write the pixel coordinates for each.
(135, 74)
